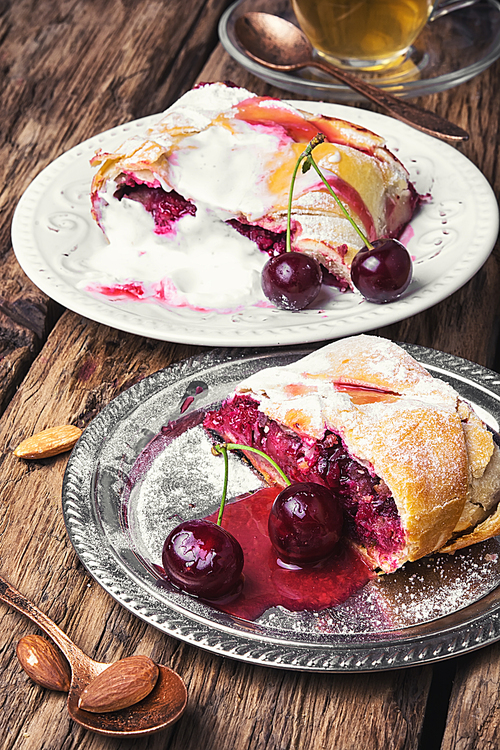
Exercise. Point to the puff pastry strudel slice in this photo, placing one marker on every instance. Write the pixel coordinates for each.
(416, 469)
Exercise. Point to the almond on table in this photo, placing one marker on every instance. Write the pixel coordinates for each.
(49, 442)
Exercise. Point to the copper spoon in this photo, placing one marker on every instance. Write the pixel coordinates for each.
(161, 708)
(278, 44)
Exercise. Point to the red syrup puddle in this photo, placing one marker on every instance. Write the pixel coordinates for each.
(266, 583)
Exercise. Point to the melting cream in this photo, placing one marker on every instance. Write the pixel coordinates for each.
(203, 263)
(226, 170)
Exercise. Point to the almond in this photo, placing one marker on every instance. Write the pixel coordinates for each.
(122, 684)
(44, 663)
(49, 442)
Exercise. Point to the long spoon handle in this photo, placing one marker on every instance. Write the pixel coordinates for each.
(13, 598)
(417, 117)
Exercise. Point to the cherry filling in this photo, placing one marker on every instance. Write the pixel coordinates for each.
(269, 242)
(370, 515)
(165, 208)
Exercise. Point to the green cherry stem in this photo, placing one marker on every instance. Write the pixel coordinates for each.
(319, 138)
(339, 202)
(223, 450)
(290, 198)
(309, 162)
(224, 447)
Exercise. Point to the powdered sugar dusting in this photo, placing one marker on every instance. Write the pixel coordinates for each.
(185, 481)
(420, 592)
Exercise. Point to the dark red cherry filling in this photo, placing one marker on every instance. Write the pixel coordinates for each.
(168, 207)
(370, 514)
(165, 208)
(273, 243)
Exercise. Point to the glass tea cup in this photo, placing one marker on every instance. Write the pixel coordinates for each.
(367, 34)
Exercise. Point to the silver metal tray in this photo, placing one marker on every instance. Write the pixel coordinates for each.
(119, 506)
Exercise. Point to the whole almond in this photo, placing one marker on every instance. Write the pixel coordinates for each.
(44, 663)
(122, 684)
(49, 442)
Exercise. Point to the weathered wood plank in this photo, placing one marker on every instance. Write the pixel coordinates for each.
(473, 718)
(81, 367)
(73, 70)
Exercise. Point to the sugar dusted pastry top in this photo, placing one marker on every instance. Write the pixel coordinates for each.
(412, 430)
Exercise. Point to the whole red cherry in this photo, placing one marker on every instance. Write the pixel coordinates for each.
(383, 272)
(305, 523)
(291, 280)
(203, 559)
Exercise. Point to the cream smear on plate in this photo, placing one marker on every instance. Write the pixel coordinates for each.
(200, 262)
(203, 264)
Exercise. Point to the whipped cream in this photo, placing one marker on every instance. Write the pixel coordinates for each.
(203, 264)
(227, 167)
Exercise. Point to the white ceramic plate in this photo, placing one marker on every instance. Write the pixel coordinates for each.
(453, 235)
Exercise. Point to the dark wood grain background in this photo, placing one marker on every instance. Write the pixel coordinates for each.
(70, 69)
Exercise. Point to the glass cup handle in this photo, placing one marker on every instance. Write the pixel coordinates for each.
(448, 6)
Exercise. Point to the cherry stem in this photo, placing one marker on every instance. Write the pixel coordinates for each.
(236, 447)
(319, 138)
(339, 202)
(309, 162)
(223, 450)
(290, 198)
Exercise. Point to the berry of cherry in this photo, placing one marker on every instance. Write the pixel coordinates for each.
(383, 271)
(291, 280)
(305, 523)
(203, 559)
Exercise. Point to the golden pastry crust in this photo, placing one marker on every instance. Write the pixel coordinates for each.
(415, 433)
(480, 519)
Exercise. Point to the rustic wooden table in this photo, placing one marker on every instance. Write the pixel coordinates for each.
(71, 69)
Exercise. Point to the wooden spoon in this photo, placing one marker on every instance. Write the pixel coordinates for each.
(162, 707)
(279, 45)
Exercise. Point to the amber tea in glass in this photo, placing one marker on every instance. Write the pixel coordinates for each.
(363, 34)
